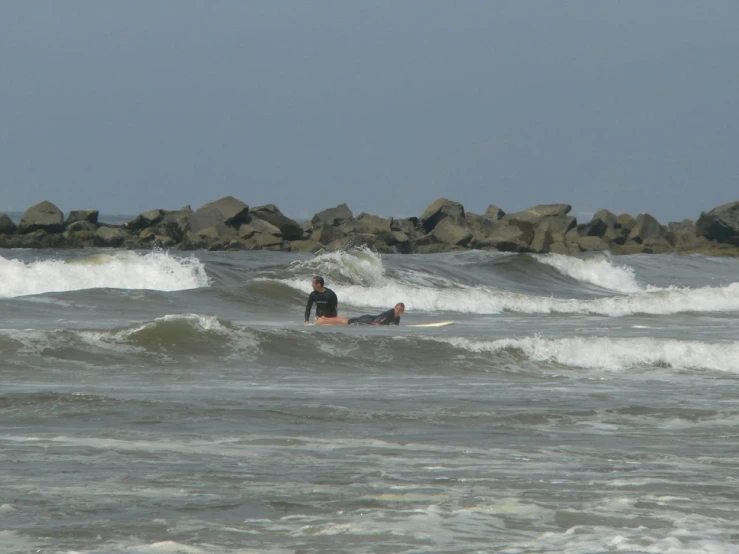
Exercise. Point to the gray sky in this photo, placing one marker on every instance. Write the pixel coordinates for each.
(128, 106)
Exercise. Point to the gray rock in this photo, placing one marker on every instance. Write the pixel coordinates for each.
(90, 216)
(175, 223)
(535, 214)
(265, 241)
(228, 211)
(452, 231)
(326, 234)
(438, 210)
(656, 245)
(494, 212)
(720, 224)
(625, 222)
(646, 226)
(111, 236)
(308, 245)
(408, 225)
(7, 226)
(590, 244)
(144, 220)
(332, 216)
(289, 228)
(599, 225)
(43, 216)
(367, 224)
(81, 225)
(514, 236)
(542, 240)
(263, 227)
(481, 227)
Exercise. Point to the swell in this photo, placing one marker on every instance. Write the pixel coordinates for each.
(201, 340)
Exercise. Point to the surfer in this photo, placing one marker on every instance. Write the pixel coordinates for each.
(390, 317)
(325, 299)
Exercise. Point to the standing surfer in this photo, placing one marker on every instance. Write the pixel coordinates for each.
(324, 298)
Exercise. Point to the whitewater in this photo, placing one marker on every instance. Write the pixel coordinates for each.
(167, 401)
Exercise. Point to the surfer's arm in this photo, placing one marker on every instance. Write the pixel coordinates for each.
(334, 305)
(308, 307)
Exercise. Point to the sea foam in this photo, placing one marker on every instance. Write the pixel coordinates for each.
(601, 272)
(612, 354)
(119, 270)
(360, 280)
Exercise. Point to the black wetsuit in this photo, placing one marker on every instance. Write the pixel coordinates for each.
(326, 304)
(385, 318)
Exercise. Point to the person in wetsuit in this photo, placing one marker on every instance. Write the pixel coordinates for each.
(390, 317)
(325, 299)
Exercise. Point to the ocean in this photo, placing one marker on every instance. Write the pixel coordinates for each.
(173, 402)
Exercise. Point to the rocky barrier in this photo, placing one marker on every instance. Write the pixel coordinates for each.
(230, 224)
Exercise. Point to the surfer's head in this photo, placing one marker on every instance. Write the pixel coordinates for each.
(399, 309)
(317, 282)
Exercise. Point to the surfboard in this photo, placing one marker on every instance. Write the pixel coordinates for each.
(433, 324)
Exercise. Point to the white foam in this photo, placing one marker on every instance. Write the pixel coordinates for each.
(241, 340)
(596, 271)
(359, 279)
(583, 539)
(120, 270)
(360, 265)
(483, 300)
(167, 546)
(613, 354)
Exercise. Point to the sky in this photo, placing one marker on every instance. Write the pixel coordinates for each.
(386, 106)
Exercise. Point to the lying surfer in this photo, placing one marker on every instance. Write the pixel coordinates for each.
(390, 317)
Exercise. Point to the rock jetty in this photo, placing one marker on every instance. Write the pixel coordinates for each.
(230, 224)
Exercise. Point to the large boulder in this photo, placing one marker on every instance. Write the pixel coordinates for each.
(332, 216)
(535, 214)
(265, 241)
(81, 225)
(7, 226)
(494, 212)
(90, 216)
(44, 216)
(720, 224)
(598, 226)
(512, 236)
(452, 231)
(407, 225)
(111, 237)
(591, 243)
(307, 246)
(174, 223)
(625, 223)
(260, 227)
(228, 211)
(646, 226)
(215, 237)
(549, 223)
(289, 228)
(605, 225)
(327, 234)
(438, 210)
(480, 226)
(144, 220)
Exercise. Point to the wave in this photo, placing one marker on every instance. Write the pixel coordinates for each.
(117, 270)
(360, 279)
(168, 338)
(610, 354)
(599, 271)
(195, 337)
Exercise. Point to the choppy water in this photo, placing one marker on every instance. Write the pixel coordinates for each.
(173, 402)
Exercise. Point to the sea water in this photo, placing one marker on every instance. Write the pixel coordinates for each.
(166, 402)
